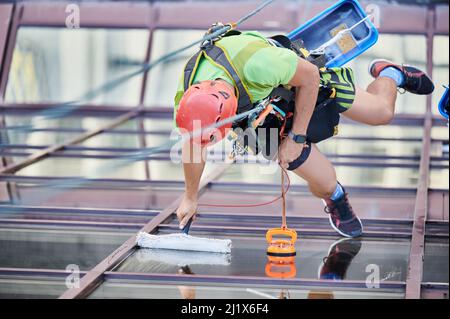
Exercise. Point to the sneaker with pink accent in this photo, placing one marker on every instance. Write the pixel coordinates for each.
(416, 80)
(343, 218)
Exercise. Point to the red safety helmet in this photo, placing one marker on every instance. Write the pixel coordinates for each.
(203, 105)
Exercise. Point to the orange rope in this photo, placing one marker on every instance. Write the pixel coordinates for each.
(284, 191)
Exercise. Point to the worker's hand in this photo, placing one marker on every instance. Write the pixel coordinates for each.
(186, 210)
(289, 151)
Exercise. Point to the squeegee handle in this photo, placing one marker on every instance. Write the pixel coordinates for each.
(187, 227)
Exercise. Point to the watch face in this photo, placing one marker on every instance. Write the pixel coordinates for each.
(300, 139)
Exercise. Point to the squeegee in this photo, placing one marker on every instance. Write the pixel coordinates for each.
(183, 241)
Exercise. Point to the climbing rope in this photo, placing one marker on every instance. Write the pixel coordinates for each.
(63, 109)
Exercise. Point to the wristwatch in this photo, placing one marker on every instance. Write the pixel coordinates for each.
(299, 139)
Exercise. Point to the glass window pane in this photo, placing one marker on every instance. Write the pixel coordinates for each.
(435, 267)
(376, 206)
(164, 78)
(390, 131)
(59, 65)
(374, 147)
(439, 178)
(31, 288)
(115, 215)
(407, 49)
(57, 248)
(97, 196)
(116, 289)
(349, 176)
(248, 258)
(89, 168)
(20, 135)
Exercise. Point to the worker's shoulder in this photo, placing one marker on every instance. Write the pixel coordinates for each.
(245, 36)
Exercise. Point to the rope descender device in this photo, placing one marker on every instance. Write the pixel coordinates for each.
(282, 248)
(219, 29)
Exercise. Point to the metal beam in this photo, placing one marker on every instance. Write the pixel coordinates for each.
(221, 186)
(247, 280)
(166, 112)
(416, 256)
(95, 276)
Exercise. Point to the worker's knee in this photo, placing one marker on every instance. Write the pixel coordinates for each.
(384, 115)
(324, 190)
(387, 116)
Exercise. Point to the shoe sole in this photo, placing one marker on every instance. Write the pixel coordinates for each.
(328, 254)
(377, 61)
(338, 231)
(373, 63)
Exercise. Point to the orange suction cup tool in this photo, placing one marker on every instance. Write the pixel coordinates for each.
(281, 247)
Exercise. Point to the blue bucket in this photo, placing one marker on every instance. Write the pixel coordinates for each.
(443, 104)
(321, 29)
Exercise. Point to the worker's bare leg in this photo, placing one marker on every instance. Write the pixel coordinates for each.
(376, 106)
(319, 173)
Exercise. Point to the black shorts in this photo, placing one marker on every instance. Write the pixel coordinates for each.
(324, 121)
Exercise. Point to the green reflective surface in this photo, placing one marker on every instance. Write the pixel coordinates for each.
(56, 248)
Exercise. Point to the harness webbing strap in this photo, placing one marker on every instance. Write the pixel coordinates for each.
(285, 94)
(190, 68)
(218, 55)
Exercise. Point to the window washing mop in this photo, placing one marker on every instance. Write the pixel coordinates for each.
(184, 242)
(182, 258)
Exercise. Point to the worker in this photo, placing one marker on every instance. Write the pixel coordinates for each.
(241, 69)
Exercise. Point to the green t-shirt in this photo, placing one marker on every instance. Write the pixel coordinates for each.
(266, 66)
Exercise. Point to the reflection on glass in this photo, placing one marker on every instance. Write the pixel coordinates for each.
(436, 267)
(180, 262)
(336, 264)
(249, 258)
(44, 57)
(48, 248)
(163, 80)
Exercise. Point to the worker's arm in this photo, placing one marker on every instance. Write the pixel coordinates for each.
(307, 80)
(194, 157)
